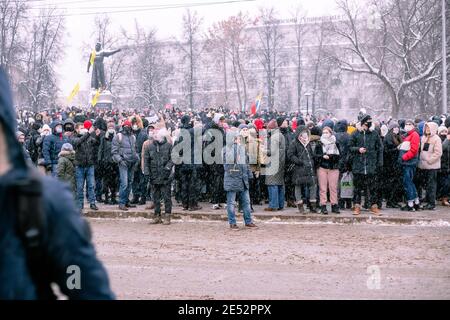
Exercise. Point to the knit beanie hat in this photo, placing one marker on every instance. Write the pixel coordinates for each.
(87, 124)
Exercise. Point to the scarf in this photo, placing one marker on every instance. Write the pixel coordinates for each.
(329, 145)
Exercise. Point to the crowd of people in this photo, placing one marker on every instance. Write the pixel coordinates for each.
(130, 158)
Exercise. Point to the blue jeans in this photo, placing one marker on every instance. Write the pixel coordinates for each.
(54, 171)
(408, 184)
(244, 201)
(83, 174)
(126, 179)
(276, 197)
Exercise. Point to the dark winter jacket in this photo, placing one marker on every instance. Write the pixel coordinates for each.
(123, 149)
(105, 158)
(66, 168)
(141, 137)
(372, 160)
(303, 158)
(32, 145)
(332, 163)
(237, 172)
(85, 146)
(390, 153)
(445, 159)
(289, 136)
(66, 241)
(157, 162)
(343, 140)
(52, 145)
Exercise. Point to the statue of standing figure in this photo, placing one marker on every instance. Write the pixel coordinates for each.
(98, 70)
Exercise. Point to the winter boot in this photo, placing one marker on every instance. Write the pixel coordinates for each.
(300, 207)
(135, 200)
(323, 209)
(335, 208)
(313, 207)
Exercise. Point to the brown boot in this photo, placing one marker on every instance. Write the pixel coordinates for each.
(357, 210)
(374, 209)
(445, 202)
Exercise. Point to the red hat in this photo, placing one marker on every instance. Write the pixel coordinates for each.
(87, 124)
(259, 124)
(126, 123)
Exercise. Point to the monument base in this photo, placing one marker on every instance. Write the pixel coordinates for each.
(104, 100)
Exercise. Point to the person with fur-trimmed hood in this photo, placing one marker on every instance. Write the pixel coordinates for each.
(367, 159)
(66, 166)
(430, 162)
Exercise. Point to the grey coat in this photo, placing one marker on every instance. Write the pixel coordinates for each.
(276, 168)
(123, 149)
(237, 171)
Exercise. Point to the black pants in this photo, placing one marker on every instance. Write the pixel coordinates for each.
(189, 187)
(110, 180)
(289, 188)
(429, 183)
(255, 190)
(138, 186)
(99, 172)
(365, 183)
(162, 191)
(218, 193)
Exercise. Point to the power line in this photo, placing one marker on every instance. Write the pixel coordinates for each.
(160, 7)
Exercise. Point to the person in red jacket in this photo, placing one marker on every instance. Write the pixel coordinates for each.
(409, 158)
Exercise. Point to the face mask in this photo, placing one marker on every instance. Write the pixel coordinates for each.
(58, 130)
(135, 127)
(368, 124)
(409, 127)
(396, 130)
(83, 131)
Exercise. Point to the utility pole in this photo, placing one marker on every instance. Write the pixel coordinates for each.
(444, 59)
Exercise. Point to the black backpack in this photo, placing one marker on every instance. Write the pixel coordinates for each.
(27, 198)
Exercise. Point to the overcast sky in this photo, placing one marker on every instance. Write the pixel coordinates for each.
(72, 68)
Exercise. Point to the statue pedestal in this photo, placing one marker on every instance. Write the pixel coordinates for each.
(104, 100)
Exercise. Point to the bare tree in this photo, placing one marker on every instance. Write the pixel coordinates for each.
(391, 50)
(270, 52)
(228, 36)
(150, 70)
(300, 32)
(12, 22)
(44, 50)
(191, 50)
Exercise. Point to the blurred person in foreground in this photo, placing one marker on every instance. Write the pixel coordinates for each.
(42, 237)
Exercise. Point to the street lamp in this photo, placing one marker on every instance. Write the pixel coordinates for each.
(307, 95)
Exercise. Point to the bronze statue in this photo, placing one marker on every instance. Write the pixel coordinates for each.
(98, 69)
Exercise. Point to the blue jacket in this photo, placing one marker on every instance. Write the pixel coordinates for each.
(52, 144)
(66, 240)
(237, 171)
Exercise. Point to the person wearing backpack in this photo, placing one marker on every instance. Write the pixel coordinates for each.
(123, 150)
(45, 237)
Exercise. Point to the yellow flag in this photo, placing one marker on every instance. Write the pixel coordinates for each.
(93, 54)
(74, 92)
(95, 98)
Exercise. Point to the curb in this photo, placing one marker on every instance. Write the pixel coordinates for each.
(207, 216)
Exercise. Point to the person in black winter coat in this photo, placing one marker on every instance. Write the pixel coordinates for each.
(367, 157)
(301, 154)
(138, 186)
(158, 167)
(289, 184)
(109, 167)
(343, 140)
(85, 159)
(32, 145)
(188, 170)
(392, 171)
(99, 171)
